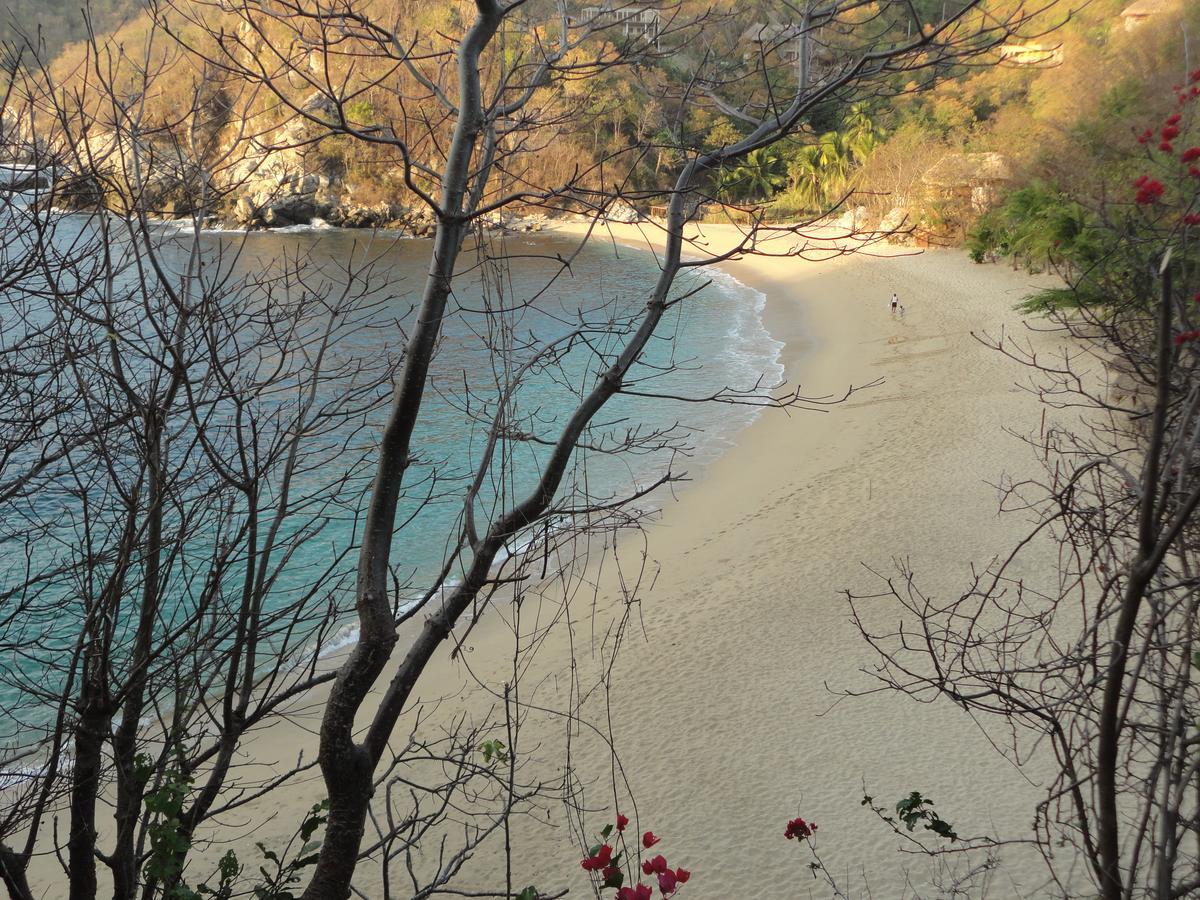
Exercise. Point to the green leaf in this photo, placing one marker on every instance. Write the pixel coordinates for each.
(615, 880)
(606, 832)
(530, 893)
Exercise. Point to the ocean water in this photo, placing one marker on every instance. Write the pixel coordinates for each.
(711, 341)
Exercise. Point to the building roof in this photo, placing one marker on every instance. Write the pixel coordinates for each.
(770, 32)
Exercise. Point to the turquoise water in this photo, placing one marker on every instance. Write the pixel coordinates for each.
(710, 341)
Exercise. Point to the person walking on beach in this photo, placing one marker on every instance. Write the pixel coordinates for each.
(895, 302)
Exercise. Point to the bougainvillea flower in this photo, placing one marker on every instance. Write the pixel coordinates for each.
(635, 892)
(1174, 119)
(599, 861)
(649, 840)
(622, 821)
(1170, 132)
(682, 875)
(1190, 155)
(666, 883)
(798, 828)
(1149, 191)
(1166, 147)
(1191, 219)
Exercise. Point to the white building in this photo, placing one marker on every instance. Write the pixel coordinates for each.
(631, 20)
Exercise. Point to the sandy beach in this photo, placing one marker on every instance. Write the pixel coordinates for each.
(729, 713)
(727, 696)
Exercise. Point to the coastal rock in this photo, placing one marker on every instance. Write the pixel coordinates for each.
(852, 220)
(621, 211)
(896, 218)
(288, 179)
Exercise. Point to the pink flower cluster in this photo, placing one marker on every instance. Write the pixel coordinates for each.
(1184, 94)
(1186, 337)
(1149, 190)
(668, 879)
(1170, 130)
(603, 860)
(799, 829)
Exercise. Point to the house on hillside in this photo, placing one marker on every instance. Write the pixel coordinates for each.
(952, 194)
(973, 181)
(1142, 10)
(1031, 55)
(785, 43)
(768, 38)
(630, 20)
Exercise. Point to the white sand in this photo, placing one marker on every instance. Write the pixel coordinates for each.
(724, 711)
(723, 715)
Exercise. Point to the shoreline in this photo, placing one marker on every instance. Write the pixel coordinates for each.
(726, 714)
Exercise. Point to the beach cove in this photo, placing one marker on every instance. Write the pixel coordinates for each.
(726, 697)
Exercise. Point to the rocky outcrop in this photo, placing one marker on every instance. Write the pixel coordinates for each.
(623, 212)
(285, 179)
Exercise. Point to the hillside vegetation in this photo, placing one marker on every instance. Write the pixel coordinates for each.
(52, 24)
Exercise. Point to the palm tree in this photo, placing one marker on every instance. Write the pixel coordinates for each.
(804, 173)
(837, 161)
(761, 175)
(860, 133)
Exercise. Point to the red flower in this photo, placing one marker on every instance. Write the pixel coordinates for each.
(1195, 76)
(1191, 219)
(682, 875)
(599, 861)
(1140, 180)
(1170, 132)
(649, 840)
(636, 892)
(1149, 191)
(1145, 136)
(1190, 155)
(798, 828)
(622, 821)
(1174, 120)
(1166, 147)
(1194, 171)
(666, 883)
(1196, 299)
